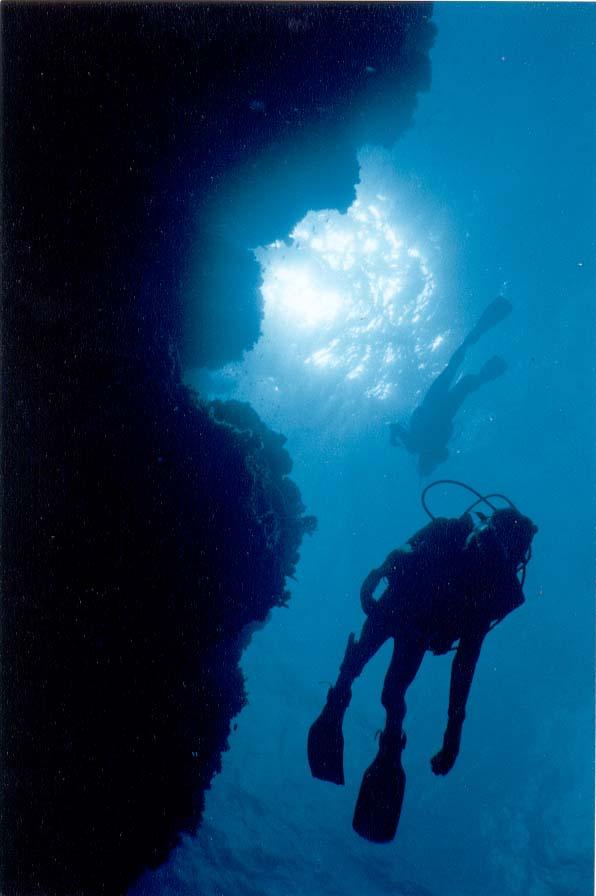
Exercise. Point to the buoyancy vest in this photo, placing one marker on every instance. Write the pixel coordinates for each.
(445, 587)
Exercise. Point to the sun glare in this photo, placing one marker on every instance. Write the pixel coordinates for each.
(348, 306)
(291, 292)
(351, 292)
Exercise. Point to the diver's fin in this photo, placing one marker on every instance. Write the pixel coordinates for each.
(490, 317)
(379, 803)
(326, 741)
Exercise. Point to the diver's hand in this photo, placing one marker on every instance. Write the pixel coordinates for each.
(443, 761)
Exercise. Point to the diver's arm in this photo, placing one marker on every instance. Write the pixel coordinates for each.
(367, 600)
(369, 585)
(373, 578)
(462, 673)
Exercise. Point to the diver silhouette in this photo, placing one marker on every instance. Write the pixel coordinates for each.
(453, 581)
(431, 424)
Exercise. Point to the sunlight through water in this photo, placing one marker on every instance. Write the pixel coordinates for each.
(348, 307)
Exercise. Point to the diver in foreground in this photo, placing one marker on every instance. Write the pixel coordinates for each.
(454, 580)
(431, 424)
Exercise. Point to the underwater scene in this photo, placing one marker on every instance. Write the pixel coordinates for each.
(489, 193)
(299, 341)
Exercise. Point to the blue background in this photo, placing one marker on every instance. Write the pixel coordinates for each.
(502, 149)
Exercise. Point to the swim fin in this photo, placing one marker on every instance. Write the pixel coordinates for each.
(326, 740)
(490, 317)
(379, 803)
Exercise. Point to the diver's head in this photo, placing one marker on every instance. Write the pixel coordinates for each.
(431, 458)
(514, 532)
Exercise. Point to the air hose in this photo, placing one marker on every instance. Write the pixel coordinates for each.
(480, 499)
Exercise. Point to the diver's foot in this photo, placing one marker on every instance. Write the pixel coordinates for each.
(493, 368)
(326, 740)
(381, 795)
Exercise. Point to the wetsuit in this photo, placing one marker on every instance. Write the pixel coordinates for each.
(450, 582)
(443, 586)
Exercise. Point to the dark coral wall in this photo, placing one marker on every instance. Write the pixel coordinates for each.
(142, 530)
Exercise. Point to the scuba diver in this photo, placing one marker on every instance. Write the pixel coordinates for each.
(431, 424)
(453, 581)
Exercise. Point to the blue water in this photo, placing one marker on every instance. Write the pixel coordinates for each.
(494, 185)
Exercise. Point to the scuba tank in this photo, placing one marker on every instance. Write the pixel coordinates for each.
(504, 531)
(506, 526)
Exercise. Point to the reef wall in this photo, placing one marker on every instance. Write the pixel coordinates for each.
(144, 531)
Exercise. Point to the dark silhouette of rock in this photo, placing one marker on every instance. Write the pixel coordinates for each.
(144, 532)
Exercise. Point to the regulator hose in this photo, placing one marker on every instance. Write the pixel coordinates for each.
(480, 499)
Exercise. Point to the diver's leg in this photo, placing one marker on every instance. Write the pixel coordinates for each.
(491, 316)
(440, 386)
(358, 652)
(325, 737)
(471, 382)
(381, 794)
(405, 662)
(375, 632)
(429, 426)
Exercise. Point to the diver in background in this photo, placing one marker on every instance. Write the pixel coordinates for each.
(452, 581)
(431, 423)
